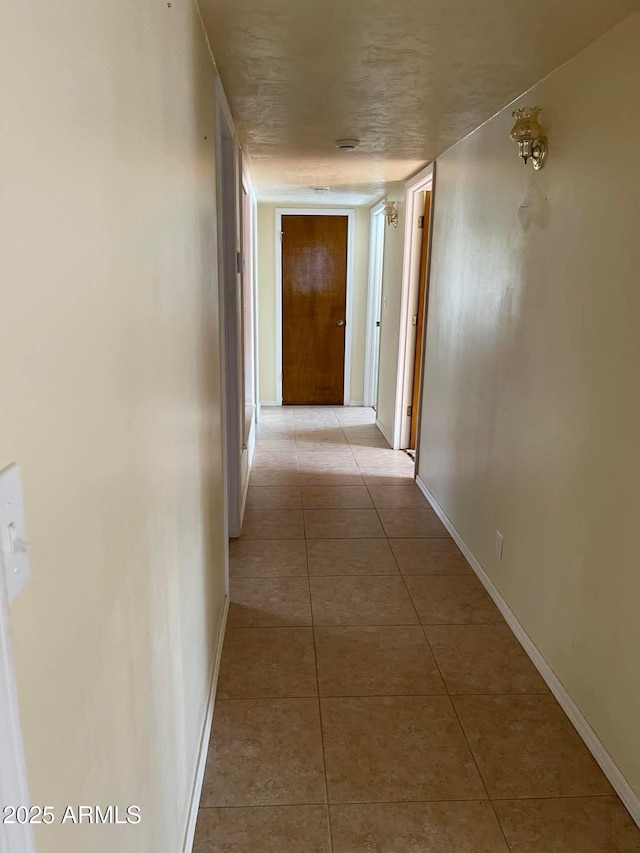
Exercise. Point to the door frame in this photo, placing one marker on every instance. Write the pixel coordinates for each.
(228, 170)
(350, 213)
(374, 304)
(14, 790)
(249, 319)
(251, 256)
(414, 187)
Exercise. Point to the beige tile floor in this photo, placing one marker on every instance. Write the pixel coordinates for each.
(371, 697)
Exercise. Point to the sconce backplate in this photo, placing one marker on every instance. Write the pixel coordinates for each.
(539, 155)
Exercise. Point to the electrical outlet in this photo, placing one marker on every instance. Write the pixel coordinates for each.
(499, 541)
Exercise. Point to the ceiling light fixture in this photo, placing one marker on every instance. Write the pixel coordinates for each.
(390, 213)
(527, 132)
(347, 144)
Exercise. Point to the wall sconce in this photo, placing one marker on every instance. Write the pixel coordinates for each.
(390, 213)
(532, 143)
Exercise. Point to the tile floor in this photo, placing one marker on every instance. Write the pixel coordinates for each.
(371, 697)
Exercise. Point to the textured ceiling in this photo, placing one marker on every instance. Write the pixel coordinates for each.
(406, 77)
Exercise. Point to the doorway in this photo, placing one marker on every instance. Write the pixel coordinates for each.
(414, 302)
(418, 319)
(374, 306)
(248, 314)
(230, 295)
(314, 272)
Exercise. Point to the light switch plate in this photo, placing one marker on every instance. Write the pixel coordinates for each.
(13, 532)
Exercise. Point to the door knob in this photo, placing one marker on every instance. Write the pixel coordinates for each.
(340, 323)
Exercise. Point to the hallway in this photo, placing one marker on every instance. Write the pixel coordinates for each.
(365, 666)
(260, 637)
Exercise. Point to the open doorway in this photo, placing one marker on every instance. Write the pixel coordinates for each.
(249, 334)
(414, 305)
(418, 319)
(374, 306)
(229, 276)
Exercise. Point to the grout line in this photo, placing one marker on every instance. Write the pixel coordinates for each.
(365, 538)
(464, 734)
(453, 707)
(361, 575)
(342, 803)
(447, 693)
(370, 624)
(252, 627)
(384, 696)
(416, 802)
(315, 665)
(613, 796)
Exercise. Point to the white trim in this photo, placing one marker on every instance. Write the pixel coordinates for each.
(251, 263)
(14, 791)
(228, 186)
(425, 324)
(348, 338)
(384, 433)
(246, 177)
(360, 403)
(223, 106)
(269, 403)
(196, 791)
(247, 456)
(350, 213)
(256, 338)
(374, 303)
(249, 278)
(221, 110)
(245, 470)
(278, 257)
(575, 715)
(251, 444)
(410, 276)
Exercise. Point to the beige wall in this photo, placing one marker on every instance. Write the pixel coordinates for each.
(111, 404)
(267, 299)
(390, 314)
(531, 412)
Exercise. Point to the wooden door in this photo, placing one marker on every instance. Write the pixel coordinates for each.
(420, 320)
(314, 301)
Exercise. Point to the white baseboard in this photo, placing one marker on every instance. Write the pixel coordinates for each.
(384, 433)
(196, 791)
(359, 403)
(591, 739)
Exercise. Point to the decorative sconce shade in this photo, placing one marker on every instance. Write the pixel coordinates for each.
(532, 143)
(390, 213)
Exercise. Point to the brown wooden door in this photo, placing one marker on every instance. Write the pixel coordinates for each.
(314, 300)
(420, 320)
